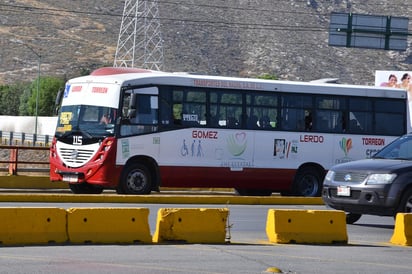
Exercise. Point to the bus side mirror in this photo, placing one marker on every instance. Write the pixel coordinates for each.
(58, 101)
(131, 113)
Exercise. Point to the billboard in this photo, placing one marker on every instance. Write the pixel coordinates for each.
(394, 78)
(368, 31)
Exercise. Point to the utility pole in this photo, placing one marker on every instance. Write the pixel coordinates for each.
(140, 43)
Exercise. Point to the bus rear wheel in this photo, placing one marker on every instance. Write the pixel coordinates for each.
(308, 182)
(135, 179)
(85, 188)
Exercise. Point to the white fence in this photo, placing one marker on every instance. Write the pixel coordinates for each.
(20, 130)
(27, 124)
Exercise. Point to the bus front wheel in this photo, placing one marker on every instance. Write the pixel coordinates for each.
(308, 182)
(135, 179)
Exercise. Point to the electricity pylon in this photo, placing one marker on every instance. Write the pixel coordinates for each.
(140, 43)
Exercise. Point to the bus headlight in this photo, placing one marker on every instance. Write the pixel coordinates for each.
(380, 179)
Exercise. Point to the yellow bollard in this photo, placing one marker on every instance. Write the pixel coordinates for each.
(402, 234)
(26, 225)
(306, 226)
(108, 225)
(190, 225)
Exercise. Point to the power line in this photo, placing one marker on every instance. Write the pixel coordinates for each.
(252, 26)
(353, 3)
(192, 22)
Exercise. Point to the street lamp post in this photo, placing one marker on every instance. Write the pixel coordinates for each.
(38, 80)
(37, 94)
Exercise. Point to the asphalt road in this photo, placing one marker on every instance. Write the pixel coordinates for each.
(368, 251)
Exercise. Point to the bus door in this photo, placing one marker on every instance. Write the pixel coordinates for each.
(140, 113)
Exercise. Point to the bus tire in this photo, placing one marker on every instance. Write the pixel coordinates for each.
(308, 182)
(135, 179)
(85, 188)
(352, 217)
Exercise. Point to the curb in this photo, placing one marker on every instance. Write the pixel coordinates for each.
(158, 199)
(29, 182)
(181, 197)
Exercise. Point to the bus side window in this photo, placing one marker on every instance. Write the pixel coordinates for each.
(177, 114)
(330, 121)
(141, 114)
(354, 126)
(293, 119)
(232, 122)
(321, 121)
(213, 121)
(190, 119)
(252, 122)
(165, 108)
(146, 109)
(264, 122)
(308, 121)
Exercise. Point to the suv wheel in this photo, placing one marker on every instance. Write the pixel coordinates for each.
(405, 206)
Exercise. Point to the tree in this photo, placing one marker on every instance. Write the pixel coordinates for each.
(10, 98)
(24, 99)
(48, 88)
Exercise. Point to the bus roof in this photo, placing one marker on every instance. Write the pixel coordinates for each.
(137, 76)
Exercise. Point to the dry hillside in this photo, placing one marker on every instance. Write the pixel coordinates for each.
(288, 38)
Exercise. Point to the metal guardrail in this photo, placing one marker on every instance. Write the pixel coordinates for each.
(24, 139)
(30, 163)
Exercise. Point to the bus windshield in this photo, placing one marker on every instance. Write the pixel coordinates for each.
(96, 121)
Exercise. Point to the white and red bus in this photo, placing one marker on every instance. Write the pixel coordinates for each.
(136, 130)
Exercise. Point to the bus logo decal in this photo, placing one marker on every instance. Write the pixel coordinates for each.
(237, 143)
(74, 154)
(345, 145)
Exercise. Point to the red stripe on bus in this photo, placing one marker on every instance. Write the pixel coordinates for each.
(248, 178)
